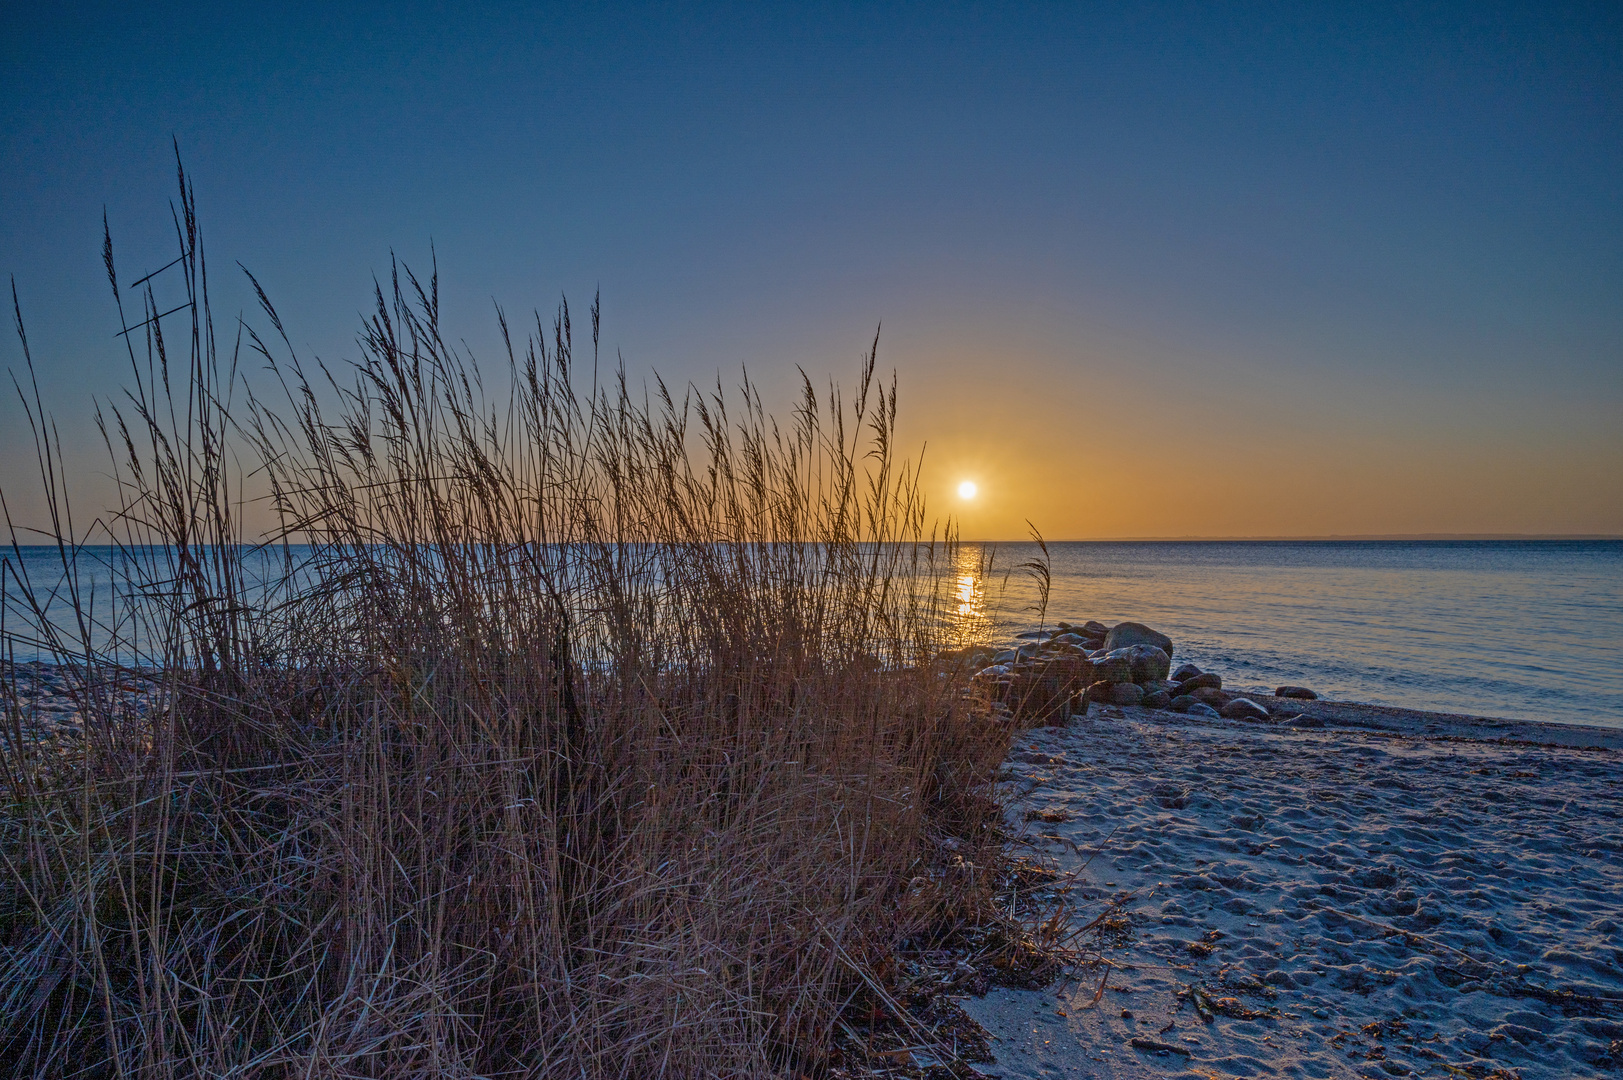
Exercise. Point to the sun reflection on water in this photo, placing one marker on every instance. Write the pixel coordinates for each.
(970, 615)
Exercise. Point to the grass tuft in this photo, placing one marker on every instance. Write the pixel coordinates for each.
(559, 729)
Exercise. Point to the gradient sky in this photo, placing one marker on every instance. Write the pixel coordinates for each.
(1144, 270)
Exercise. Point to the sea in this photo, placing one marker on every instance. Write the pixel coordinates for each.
(1513, 629)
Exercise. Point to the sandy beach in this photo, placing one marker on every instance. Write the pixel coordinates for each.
(1391, 894)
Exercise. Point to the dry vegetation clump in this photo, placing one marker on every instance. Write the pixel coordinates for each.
(558, 730)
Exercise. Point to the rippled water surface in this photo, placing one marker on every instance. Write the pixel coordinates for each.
(1529, 630)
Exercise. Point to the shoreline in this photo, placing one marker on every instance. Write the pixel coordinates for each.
(44, 683)
(1429, 724)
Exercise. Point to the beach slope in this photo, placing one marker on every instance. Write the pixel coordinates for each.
(1393, 894)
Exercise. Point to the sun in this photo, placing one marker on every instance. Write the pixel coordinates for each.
(967, 489)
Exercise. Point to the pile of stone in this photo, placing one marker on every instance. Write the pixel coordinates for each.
(1059, 672)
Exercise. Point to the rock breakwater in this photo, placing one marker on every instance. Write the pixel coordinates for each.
(1056, 673)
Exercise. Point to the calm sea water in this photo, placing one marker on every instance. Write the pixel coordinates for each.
(1528, 630)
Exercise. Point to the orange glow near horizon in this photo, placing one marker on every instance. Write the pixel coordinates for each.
(1309, 465)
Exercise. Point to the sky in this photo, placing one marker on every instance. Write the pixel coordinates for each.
(1142, 270)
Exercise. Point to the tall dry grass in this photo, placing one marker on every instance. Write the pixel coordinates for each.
(578, 732)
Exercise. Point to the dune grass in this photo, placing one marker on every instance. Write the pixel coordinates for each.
(579, 731)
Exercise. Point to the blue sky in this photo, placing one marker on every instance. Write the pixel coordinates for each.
(1143, 269)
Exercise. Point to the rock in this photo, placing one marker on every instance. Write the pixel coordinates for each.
(1300, 693)
(1154, 686)
(1211, 695)
(1067, 639)
(1127, 694)
(1115, 667)
(1007, 656)
(1131, 633)
(1190, 685)
(1158, 699)
(1201, 709)
(1092, 628)
(1182, 703)
(1244, 709)
(1185, 671)
(1149, 662)
(1302, 722)
(1101, 692)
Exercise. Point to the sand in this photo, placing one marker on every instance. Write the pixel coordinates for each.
(1393, 894)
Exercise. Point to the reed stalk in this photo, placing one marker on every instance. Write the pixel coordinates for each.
(557, 729)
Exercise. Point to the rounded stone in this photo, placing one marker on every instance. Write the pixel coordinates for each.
(1101, 692)
(1244, 709)
(1127, 694)
(1182, 703)
(1131, 633)
(1200, 682)
(1185, 671)
(1113, 667)
(1149, 662)
(1202, 709)
(1300, 693)
(1158, 699)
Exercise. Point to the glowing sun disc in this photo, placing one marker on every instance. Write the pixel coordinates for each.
(967, 489)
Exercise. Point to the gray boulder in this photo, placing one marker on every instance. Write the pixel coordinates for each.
(1185, 671)
(1116, 667)
(1101, 692)
(1127, 694)
(1150, 663)
(1300, 693)
(1093, 628)
(1158, 699)
(1201, 709)
(1182, 703)
(1199, 682)
(1244, 709)
(1131, 633)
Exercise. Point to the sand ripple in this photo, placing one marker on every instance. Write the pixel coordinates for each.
(1378, 904)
